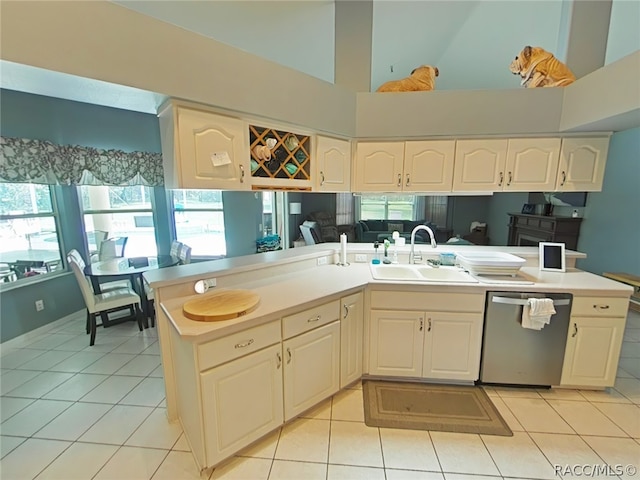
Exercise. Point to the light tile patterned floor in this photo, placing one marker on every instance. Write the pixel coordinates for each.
(70, 411)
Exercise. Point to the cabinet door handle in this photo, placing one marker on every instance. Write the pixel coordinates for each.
(346, 311)
(429, 327)
(241, 173)
(279, 357)
(421, 324)
(408, 180)
(575, 330)
(601, 307)
(501, 179)
(399, 180)
(313, 319)
(244, 344)
(288, 355)
(508, 179)
(564, 178)
(321, 178)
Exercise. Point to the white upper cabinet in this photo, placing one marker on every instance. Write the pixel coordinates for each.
(378, 167)
(479, 165)
(531, 164)
(332, 165)
(582, 162)
(413, 166)
(428, 166)
(203, 150)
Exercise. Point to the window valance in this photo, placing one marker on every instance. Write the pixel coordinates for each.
(25, 160)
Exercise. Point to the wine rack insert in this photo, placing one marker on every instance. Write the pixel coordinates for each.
(279, 154)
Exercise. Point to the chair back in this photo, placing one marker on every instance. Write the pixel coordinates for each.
(75, 254)
(112, 248)
(185, 254)
(175, 248)
(83, 283)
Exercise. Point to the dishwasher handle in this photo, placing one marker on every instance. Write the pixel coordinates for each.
(523, 301)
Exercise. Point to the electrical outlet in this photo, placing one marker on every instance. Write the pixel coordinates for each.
(39, 305)
(322, 261)
(361, 257)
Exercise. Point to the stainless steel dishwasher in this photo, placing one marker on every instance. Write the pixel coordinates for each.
(514, 355)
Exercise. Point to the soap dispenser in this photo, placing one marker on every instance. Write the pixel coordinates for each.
(376, 257)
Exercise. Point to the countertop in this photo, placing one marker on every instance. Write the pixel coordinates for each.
(288, 293)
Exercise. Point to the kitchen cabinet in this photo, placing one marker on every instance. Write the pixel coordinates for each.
(594, 341)
(479, 165)
(443, 342)
(311, 351)
(351, 338)
(412, 166)
(311, 369)
(332, 165)
(531, 164)
(202, 149)
(452, 346)
(242, 401)
(582, 164)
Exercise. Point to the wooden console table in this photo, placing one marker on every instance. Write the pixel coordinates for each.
(529, 230)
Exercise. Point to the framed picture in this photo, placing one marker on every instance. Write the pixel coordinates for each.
(529, 208)
(552, 257)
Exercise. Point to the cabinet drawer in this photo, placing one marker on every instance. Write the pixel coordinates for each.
(298, 323)
(237, 345)
(441, 302)
(599, 307)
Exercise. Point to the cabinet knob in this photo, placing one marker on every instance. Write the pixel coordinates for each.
(244, 344)
(399, 180)
(601, 307)
(501, 179)
(508, 179)
(321, 178)
(408, 180)
(313, 319)
(288, 355)
(241, 173)
(564, 178)
(279, 357)
(421, 324)
(429, 327)
(346, 311)
(575, 330)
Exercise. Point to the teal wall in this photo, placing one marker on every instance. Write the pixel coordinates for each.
(610, 232)
(624, 34)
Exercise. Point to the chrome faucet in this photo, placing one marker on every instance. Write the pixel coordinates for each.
(412, 255)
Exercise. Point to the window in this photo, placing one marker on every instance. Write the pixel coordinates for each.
(111, 212)
(29, 241)
(199, 220)
(389, 207)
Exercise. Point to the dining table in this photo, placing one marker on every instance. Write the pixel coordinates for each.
(130, 268)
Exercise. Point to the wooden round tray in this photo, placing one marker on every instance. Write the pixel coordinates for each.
(222, 305)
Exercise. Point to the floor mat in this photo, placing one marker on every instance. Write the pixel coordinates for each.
(425, 406)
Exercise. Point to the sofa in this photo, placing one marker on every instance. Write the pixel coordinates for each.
(327, 230)
(369, 231)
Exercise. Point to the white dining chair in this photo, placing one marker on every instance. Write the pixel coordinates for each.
(176, 246)
(104, 287)
(106, 302)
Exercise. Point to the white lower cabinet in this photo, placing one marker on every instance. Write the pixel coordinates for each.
(311, 368)
(242, 401)
(351, 338)
(396, 343)
(594, 341)
(452, 346)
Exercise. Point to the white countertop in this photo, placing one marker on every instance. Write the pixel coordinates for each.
(287, 293)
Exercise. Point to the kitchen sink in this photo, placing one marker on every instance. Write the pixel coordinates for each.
(420, 273)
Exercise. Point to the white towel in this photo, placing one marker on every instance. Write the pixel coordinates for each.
(537, 313)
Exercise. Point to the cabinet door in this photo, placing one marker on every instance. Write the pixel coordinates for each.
(593, 349)
(378, 167)
(479, 165)
(213, 151)
(452, 346)
(351, 331)
(241, 402)
(532, 164)
(582, 162)
(396, 343)
(333, 165)
(428, 166)
(311, 369)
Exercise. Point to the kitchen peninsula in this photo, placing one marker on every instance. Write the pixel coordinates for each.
(315, 332)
